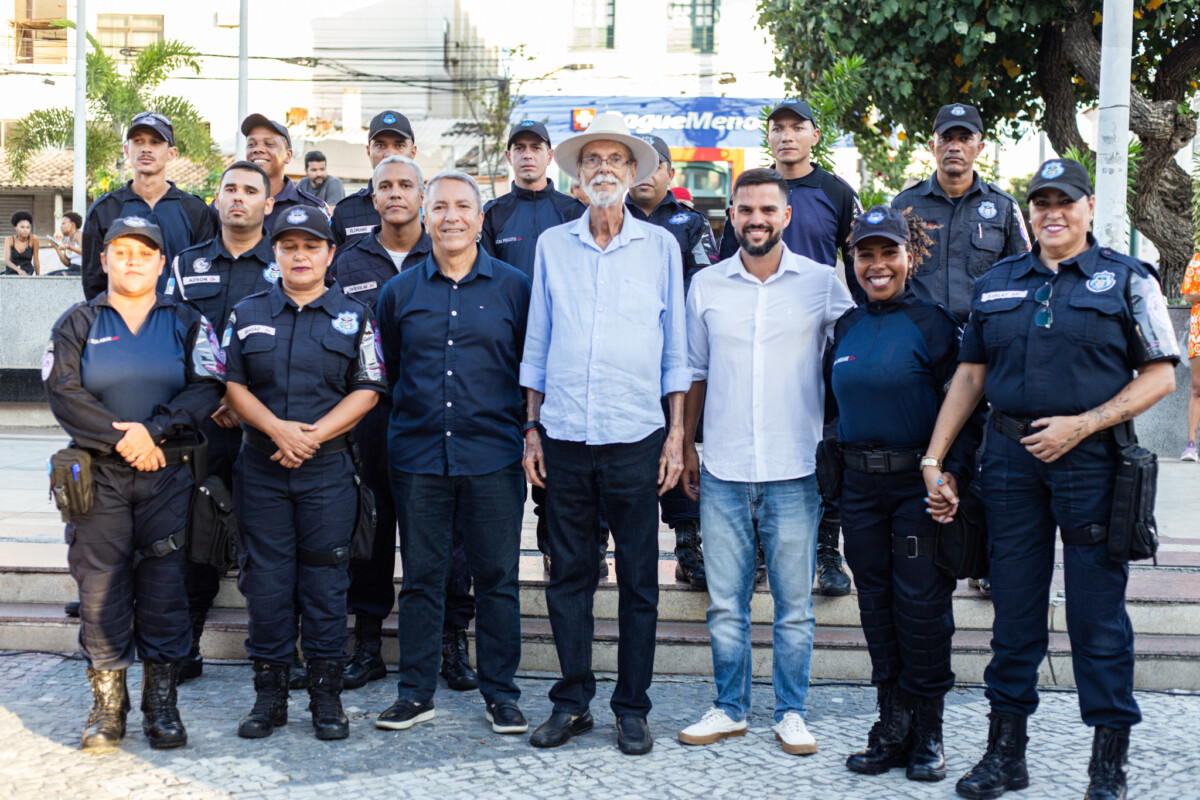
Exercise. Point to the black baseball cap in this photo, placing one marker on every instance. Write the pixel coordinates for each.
(1069, 177)
(154, 121)
(135, 226)
(392, 121)
(881, 220)
(528, 126)
(797, 107)
(662, 148)
(957, 115)
(261, 121)
(308, 219)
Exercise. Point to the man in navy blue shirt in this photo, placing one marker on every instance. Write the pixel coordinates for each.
(453, 329)
(269, 145)
(390, 134)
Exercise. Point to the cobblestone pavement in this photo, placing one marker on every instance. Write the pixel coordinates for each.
(44, 701)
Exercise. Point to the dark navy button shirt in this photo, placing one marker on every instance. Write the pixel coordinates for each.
(354, 216)
(214, 281)
(453, 351)
(1109, 318)
(513, 222)
(362, 266)
(887, 372)
(301, 362)
(288, 198)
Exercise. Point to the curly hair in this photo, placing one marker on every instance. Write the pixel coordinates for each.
(75, 218)
(919, 241)
(21, 216)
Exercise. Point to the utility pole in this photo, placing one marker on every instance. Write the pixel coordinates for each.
(243, 74)
(79, 183)
(1111, 225)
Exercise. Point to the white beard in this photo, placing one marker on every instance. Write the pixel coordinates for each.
(605, 198)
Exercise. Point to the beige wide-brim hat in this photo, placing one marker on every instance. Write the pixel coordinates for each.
(609, 126)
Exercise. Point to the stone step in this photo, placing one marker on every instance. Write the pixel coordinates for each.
(839, 653)
(1160, 601)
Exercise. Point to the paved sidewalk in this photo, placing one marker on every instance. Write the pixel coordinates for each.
(45, 702)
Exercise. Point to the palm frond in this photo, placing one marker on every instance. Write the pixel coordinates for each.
(155, 63)
(46, 128)
(192, 136)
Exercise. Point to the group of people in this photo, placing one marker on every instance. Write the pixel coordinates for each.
(21, 256)
(464, 350)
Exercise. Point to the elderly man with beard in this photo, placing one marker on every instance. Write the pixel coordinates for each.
(604, 342)
(757, 325)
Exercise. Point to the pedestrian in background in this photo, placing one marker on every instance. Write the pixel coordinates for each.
(1191, 294)
(21, 248)
(318, 182)
(70, 250)
(131, 375)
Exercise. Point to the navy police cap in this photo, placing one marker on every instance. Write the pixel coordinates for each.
(1069, 177)
(393, 121)
(957, 115)
(307, 219)
(797, 107)
(135, 226)
(881, 220)
(528, 126)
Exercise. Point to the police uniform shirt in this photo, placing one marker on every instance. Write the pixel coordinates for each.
(354, 216)
(214, 281)
(289, 197)
(1109, 318)
(301, 362)
(169, 376)
(182, 217)
(905, 349)
(453, 352)
(970, 233)
(689, 227)
(513, 222)
(363, 266)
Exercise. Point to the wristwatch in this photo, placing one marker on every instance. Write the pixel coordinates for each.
(930, 461)
(530, 425)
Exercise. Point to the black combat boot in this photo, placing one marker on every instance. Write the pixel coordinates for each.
(689, 558)
(325, 698)
(160, 708)
(270, 701)
(299, 673)
(1110, 754)
(926, 761)
(366, 663)
(110, 703)
(888, 742)
(832, 579)
(192, 666)
(456, 661)
(1003, 765)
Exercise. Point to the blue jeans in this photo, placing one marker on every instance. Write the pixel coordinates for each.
(736, 516)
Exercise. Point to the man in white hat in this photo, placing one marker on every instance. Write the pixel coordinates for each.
(605, 340)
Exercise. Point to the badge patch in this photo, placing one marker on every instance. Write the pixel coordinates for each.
(875, 217)
(271, 273)
(987, 209)
(48, 362)
(958, 111)
(346, 322)
(389, 118)
(678, 219)
(297, 215)
(201, 266)
(1052, 170)
(190, 279)
(136, 222)
(1010, 295)
(249, 329)
(360, 287)
(1102, 281)
(527, 123)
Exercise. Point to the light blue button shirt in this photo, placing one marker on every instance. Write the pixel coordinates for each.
(606, 336)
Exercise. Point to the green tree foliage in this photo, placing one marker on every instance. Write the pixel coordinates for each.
(1022, 64)
(114, 97)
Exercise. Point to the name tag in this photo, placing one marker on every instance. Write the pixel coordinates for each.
(249, 329)
(360, 287)
(1009, 295)
(189, 280)
(358, 230)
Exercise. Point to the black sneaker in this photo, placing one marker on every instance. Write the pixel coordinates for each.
(506, 718)
(403, 714)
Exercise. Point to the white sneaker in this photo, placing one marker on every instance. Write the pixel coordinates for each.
(714, 726)
(1189, 453)
(794, 737)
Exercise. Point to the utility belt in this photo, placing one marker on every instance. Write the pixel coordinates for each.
(1017, 428)
(876, 460)
(257, 440)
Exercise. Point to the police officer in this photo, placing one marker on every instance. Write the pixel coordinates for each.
(389, 134)
(823, 208)
(652, 201)
(303, 371)
(214, 276)
(362, 267)
(886, 374)
(131, 374)
(1054, 337)
(182, 217)
(269, 145)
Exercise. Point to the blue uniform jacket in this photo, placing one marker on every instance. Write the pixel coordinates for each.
(689, 227)
(362, 266)
(354, 216)
(513, 222)
(211, 279)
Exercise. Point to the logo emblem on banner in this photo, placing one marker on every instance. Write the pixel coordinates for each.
(581, 118)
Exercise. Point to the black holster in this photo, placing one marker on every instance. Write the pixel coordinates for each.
(829, 469)
(212, 533)
(71, 485)
(1132, 530)
(362, 542)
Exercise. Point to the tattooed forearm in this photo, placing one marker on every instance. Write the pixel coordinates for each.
(1153, 383)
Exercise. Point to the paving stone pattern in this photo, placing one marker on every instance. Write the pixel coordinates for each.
(44, 701)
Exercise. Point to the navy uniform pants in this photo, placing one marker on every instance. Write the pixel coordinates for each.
(1025, 500)
(204, 581)
(122, 606)
(372, 590)
(904, 603)
(284, 514)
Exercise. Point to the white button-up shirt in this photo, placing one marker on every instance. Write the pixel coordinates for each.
(759, 345)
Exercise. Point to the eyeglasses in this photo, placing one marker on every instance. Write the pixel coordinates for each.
(145, 115)
(594, 162)
(1044, 316)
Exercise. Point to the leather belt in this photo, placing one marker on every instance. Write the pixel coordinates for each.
(263, 444)
(1017, 428)
(876, 461)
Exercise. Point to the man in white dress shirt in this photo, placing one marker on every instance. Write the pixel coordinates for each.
(757, 326)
